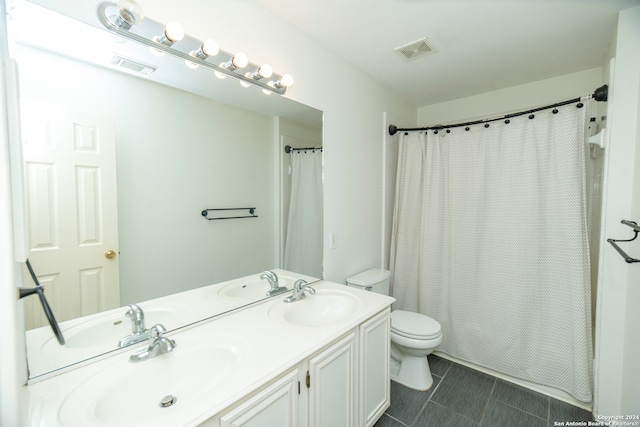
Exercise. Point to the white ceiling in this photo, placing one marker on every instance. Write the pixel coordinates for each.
(482, 45)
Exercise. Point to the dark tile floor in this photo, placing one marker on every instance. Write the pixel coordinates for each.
(462, 396)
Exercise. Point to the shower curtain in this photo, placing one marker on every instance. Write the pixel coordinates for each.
(303, 246)
(490, 239)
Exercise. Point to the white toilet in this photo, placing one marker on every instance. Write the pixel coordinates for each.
(413, 335)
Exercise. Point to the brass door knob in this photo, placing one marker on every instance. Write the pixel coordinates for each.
(110, 254)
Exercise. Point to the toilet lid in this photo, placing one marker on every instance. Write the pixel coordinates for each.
(414, 325)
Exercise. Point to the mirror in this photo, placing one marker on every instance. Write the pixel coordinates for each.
(172, 142)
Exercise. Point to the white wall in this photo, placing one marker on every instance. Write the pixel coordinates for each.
(523, 97)
(13, 370)
(617, 367)
(300, 131)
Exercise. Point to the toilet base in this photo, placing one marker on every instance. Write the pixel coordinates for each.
(412, 372)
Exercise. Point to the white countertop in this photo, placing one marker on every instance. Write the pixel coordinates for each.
(269, 348)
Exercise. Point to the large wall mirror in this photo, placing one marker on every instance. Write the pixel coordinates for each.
(171, 142)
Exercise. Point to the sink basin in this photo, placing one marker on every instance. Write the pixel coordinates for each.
(109, 329)
(252, 288)
(129, 394)
(324, 307)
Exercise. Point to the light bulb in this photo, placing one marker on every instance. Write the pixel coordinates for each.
(240, 60)
(210, 47)
(219, 74)
(207, 48)
(266, 91)
(174, 31)
(129, 14)
(264, 72)
(286, 80)
(156, 52)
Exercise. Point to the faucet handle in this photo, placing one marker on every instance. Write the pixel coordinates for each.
(302, 286)
(135, 312)
(299, 288)
(269, 275)
(272, 278)
(155, 334)
(299, 284)
(156, 331)
(158, 345)
(156, 339)
(136, 315)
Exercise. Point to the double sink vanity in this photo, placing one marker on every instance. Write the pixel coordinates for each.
(322, 358)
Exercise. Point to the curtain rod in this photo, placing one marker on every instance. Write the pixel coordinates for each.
(289, 149)
(600, 94)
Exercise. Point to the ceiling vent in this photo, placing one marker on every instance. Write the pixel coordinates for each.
(416, 49)
(132, 65)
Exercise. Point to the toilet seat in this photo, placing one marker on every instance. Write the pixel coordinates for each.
(414, 325)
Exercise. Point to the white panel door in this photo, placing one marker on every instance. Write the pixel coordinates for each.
(70, 169)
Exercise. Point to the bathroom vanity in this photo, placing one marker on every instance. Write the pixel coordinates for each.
(322, 360)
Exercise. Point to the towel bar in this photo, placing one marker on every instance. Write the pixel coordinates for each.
(252, 214)
(636, 230)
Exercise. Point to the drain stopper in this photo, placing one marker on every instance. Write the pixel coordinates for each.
(168, 401)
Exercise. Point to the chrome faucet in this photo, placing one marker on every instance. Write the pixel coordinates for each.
(158, 345)
(272, 278)
(138, 331)
(299, 289)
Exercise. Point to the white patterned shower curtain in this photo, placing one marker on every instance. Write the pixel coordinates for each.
(490, 239)
(303, 247)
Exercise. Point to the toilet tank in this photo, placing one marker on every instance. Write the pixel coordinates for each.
(375, 280)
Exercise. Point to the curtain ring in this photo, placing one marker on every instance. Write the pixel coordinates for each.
(580, 105)
(486, 125)
(531, 116)
(467, 128)
(507, 121)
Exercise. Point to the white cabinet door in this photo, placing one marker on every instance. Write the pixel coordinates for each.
(333, 385)
(276, 405)
(375, 386)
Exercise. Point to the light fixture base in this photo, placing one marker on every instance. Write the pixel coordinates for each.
(144, 31)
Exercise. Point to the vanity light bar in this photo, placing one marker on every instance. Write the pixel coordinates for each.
(146, 33)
